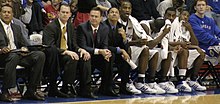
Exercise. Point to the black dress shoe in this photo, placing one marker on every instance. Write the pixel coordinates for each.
(5, 98)
(41, 94)
(109, 93)
(57, 93)
(32, 96)
(124, 91)
(71, 93)
(88, 95)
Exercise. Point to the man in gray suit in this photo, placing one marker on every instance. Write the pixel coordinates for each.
(13, 52)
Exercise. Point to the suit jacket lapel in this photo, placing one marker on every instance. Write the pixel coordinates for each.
(15, 35)
(59, 32)
(98, 35)
(4, 33)
(69, 40)
(90, 32)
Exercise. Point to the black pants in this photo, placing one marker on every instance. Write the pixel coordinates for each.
(34, 61)
(106, 69)
(57, 64)
(123, 70)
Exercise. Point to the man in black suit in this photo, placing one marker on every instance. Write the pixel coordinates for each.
(60, 35)
(13, 52)
(93, 37)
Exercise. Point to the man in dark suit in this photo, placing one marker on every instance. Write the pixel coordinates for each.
(13, 52)
(60, 35)
(93, 37)
(118, 46)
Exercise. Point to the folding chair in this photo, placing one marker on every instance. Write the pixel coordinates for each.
(20, 74)
(208, 69)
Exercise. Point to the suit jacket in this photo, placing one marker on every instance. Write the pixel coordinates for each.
(115, 39)
(85, 37)
(18, 38)
(52, 36)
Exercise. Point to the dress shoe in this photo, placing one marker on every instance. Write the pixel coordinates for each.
(57, 93)
(5, 97)
(41, 94)
(109, 93)
(125, 92)
(69, 91)
(88, 95)
(32, 96)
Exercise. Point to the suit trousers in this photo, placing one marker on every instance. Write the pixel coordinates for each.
(85, 76)
(123, 69)
(57, 64)
(33, 62)
(106, 68)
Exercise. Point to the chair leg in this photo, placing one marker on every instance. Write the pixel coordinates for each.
(214, 74)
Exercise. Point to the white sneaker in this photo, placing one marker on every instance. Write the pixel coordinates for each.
(196, 86)
(168, 87)
(156, 87)
(170, 83)
(184, 87)
(131, 88)
(144, 88)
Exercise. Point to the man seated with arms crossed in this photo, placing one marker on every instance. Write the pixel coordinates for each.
(13, 52)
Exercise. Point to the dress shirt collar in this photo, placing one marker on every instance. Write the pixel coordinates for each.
(4, 24)
(61, 24)
(93, 28)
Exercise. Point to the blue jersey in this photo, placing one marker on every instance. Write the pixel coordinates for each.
(206, 31)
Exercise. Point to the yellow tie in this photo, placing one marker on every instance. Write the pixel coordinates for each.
(63, 42)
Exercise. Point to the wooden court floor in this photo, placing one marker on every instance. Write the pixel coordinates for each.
(211, 96)
(198, 99)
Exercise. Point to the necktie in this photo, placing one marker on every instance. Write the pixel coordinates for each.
(9, 34)
(94, 34)
(63, 42)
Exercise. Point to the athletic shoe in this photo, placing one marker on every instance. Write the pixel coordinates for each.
(131, 88)
(144, 88)
(183, 87)
(156, 87)
(196, 86)
(168, 87)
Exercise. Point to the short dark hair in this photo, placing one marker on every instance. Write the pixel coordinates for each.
(127, 2)
(97, 9)
(183, 9)
(1, 6)
(170, 9)
(64, 4)
(111, 9)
